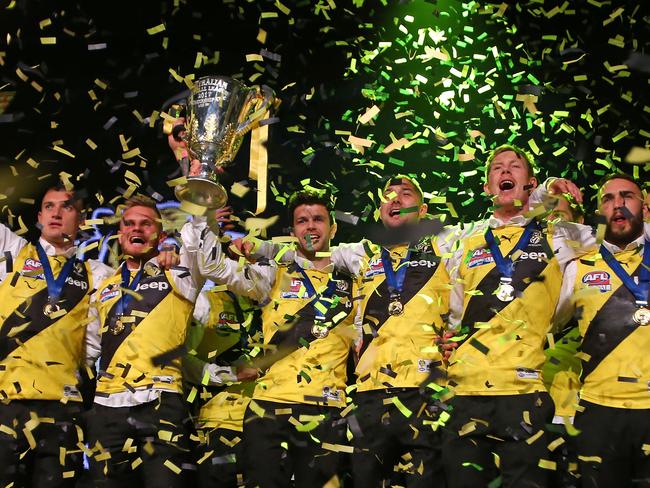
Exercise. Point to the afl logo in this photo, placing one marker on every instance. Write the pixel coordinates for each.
(601, 279)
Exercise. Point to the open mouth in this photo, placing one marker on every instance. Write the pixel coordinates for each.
(137, 240)
(506, 185)
(395, 212)
(619, 219)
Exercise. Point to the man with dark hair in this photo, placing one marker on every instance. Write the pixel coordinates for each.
(45, 293)
(397, 417)
(292, 426)
(609, 298)
(136, 431)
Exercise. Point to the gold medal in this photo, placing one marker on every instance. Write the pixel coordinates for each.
(641, 316)
(320, 331)
(50, 308)
(395, 307)
(505, 292)
(117, 327)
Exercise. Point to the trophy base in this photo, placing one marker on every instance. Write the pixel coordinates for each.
(203, 192)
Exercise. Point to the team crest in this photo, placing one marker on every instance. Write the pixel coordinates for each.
(342, 285)
(536, 237)
(78, 267)
(601, 279)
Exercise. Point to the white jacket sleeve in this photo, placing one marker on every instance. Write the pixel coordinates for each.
(10, 246)
(100, 272)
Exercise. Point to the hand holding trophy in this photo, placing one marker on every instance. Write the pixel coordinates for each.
(219, 112)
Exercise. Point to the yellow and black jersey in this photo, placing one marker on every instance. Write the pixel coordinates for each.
(503, 352)
(400, 350)
(224, 339)
(142, 347)
(616, 363)
(40, 355)
(561, 372)
(307, 366)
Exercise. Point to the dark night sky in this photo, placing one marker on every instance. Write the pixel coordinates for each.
(105, 65)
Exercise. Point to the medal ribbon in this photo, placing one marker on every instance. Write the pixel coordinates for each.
(54, 286)
(505, 265)
(394, 279)
(640, 290)
(311, 291)
(131, 285)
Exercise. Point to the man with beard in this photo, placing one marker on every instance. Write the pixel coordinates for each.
(292, 425)
(609, 300)
(45, 294)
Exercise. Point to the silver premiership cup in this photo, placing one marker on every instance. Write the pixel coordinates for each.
(220, 111)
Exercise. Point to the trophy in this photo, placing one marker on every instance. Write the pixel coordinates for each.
(219, 113)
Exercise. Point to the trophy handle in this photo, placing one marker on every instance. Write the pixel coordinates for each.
(262, 100)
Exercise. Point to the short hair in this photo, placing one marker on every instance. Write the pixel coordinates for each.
(142, 201)
(617, 176)
(416, 184)
(75, 196)
(521, 154)
(310, 197)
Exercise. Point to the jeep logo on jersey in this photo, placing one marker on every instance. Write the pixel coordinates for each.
(78, 283)
(601, 279)
(535, 256)
(153, 285)
(422, 263)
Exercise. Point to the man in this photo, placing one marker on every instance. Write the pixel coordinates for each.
(398, 373)
(399, 369)
(292, 426)
(45, 294)
(610, 302)
(507, 276)
(136, 429)
(217, 341)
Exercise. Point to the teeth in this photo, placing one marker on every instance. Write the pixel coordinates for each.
(507, 185)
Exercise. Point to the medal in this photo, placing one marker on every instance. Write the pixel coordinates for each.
(505, 292)
(54, 285)
(641, 316)
(319, 331)
(117, 327)
(395, 307)
(50, 308)
(395, 280)
(638, 286)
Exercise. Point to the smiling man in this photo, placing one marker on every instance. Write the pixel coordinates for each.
(144, 312)
(292, 426)
(607, 293)
(44, 322)
(506, 275)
